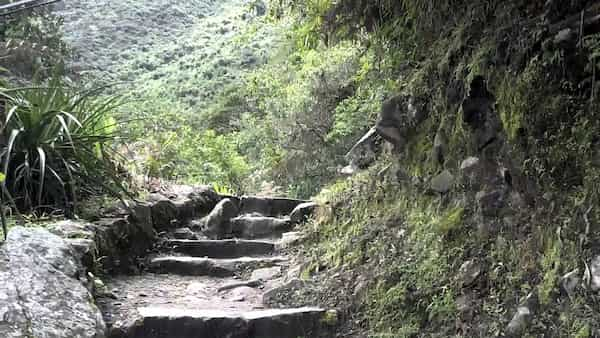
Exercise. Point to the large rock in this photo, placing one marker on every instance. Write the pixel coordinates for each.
(42, 294)
(217, 223)
(443, 182)
(180, 203)
(114, 243)
(193, 201)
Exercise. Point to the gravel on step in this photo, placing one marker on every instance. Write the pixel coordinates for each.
(127, 293)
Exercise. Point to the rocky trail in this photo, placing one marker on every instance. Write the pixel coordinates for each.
(181, 264)
(210, 279)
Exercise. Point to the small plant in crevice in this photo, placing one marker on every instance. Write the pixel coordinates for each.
(56, 144)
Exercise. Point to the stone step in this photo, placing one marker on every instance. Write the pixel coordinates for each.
(250, 227)
(266, 206)
(198, 266)
(227, 248)
(163, 322)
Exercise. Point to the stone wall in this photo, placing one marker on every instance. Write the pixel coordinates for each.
(47, 274)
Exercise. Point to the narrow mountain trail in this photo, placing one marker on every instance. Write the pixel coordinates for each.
(213, 277)
(194, 286)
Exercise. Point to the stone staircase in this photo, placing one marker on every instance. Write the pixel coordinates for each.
(208, 280)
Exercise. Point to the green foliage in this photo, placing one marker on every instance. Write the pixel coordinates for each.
(196, 158)
(551, 264)
(33, 44)
(583, 332)
(57, 144)
(289, 131)
(451, 221)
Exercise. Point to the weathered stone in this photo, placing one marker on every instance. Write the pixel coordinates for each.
(226, 248)
(164, 212)
(469, 165)
(289, 239)
(595, 274)
(191, 266)
(41, 294)
(80, 235)
(266, 273)
(257, 227)
(72, 229)
(443, 182)
(272, 296)
(120, 243)
(196, 266)
(184, 233)
(349, 170)
(141, 215)
(469, 272)
(168, 322)
(365, 151)
(218, 223)
(522, 318)
(270, 207)
(570, 282)
(194, 201)
(519, 322)
(302, 212)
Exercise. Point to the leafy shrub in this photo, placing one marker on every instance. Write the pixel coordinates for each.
(33, 43)
(197, 157)
(56, 144)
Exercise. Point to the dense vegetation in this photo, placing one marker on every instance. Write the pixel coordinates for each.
(283, 124)
(415, 245)
(59, 138)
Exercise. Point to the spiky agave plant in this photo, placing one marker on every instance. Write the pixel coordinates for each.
(55, 143)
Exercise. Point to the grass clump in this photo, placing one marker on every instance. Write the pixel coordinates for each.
(58, 144)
